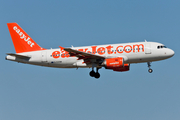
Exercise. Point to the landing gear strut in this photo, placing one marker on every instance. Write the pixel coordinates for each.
(149, 66)
(94, 74)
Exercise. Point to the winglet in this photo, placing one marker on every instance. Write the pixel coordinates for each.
(21, 40)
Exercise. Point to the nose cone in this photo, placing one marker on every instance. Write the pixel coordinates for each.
(170, 53)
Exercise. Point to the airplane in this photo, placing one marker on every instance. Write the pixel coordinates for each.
(116, 57)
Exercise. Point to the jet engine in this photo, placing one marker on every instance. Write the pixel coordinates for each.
(116, 64)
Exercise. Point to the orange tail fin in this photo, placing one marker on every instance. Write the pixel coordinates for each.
(21, 40)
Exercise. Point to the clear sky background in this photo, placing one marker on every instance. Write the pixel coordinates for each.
(30, 92)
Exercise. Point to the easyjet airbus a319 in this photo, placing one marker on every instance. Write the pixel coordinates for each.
(116, 57)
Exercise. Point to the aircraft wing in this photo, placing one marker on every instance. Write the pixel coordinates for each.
(82, 55)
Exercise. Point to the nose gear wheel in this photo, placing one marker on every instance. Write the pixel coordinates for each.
(149, 66)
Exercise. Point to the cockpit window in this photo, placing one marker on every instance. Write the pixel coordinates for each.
(161, 46)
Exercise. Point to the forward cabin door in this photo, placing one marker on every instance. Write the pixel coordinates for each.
(147, 48)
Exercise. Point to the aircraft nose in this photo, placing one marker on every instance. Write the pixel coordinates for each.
(170, 53)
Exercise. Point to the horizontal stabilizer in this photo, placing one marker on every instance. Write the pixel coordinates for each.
(18, 56)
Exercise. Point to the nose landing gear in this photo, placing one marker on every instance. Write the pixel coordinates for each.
(149, 66)
(150, 70)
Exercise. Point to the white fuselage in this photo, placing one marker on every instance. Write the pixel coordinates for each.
(137, 52)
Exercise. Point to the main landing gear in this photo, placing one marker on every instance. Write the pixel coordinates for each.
(94, 74)
(149, 66)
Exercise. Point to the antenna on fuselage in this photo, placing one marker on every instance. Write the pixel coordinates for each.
(145, 40)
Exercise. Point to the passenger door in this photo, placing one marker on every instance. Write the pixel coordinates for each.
(147, 48)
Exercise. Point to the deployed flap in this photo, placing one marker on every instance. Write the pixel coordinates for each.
(18, 56)
(82, 55)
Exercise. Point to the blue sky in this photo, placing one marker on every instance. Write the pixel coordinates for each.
(38, 93)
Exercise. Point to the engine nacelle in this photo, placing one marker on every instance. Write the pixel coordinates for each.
(117, 64)
(122, 69)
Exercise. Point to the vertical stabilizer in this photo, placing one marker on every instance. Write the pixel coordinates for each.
(21, 40)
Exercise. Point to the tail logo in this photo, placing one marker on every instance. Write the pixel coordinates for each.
(23, 36)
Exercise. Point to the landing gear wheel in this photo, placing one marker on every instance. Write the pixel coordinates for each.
(97, 75)
(149, 66)
(92, 73)
(150, 70)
